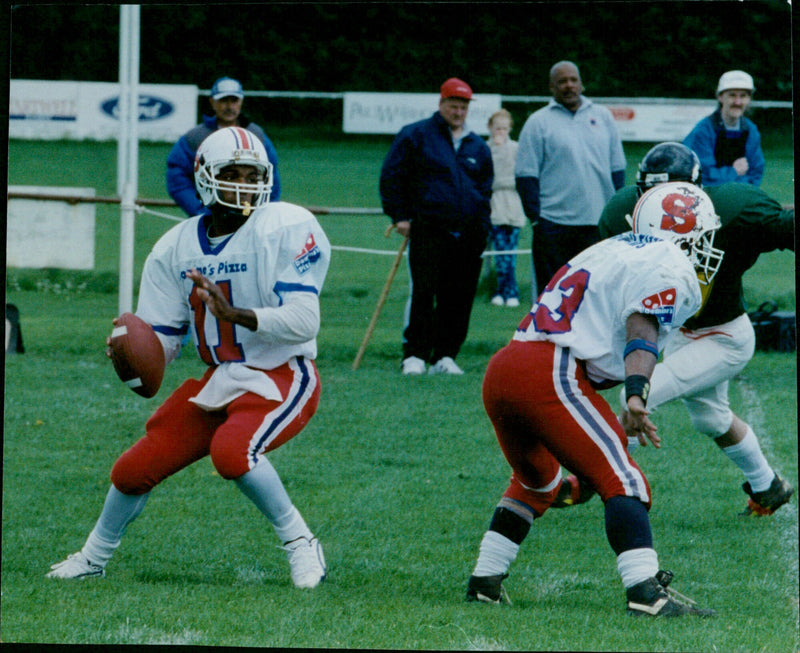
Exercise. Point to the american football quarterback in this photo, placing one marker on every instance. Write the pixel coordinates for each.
(244, 281)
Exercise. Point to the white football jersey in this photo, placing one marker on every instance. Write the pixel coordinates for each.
(586, 304)
(279, 253)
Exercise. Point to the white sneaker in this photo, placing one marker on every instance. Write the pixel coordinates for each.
(445, 365)
(75, 566)
(307, 562)
(513, 302)
(413, 365)
(497, 300)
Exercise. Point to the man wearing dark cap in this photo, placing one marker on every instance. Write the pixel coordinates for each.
(435, 185)
(227, 96)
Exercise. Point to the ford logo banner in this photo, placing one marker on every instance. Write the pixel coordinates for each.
(150, 107)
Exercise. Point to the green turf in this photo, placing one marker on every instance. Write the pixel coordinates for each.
(398, 476)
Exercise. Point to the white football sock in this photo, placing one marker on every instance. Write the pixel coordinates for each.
(496, 554)
(748, 457)
(99, 550)
(264, 488)
(636, 565)
(292, 526)
(119, 510)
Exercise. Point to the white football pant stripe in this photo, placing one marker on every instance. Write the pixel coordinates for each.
(301, 391)
(594, 425)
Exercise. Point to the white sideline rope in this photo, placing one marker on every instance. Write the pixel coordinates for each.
(385, 252)
(143, 209)
(341, 248)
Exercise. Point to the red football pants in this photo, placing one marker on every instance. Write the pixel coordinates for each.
(546, 414)
(180, 432)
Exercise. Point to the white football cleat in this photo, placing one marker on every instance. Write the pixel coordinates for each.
(76, 565)
(413, 365)
(497, 300)
(445, 365)
(307, 562)
(512, 302)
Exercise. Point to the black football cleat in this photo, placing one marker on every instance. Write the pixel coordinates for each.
(651, 597)
(487, 589)
(761, 504)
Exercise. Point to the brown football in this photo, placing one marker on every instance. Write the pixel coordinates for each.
(137, 355)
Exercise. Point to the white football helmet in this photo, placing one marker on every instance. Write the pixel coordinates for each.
(232, 146)
(683, 214)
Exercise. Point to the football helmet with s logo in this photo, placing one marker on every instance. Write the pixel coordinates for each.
(232, 146)
(683, 214)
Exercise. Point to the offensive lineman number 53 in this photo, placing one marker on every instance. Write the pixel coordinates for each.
(571, 286)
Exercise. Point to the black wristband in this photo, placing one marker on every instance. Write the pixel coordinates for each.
(637, 385)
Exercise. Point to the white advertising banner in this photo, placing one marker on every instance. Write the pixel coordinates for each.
(55, 110)
(50, 234)
(658, 122)
(386, 113)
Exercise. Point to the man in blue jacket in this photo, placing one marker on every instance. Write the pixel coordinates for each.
(226, 101)
(727, 143)
(435, 185)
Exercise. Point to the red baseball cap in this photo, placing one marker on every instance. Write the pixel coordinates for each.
(454, 87)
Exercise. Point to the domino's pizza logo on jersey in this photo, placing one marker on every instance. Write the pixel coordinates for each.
(308, 255)
(661, 305)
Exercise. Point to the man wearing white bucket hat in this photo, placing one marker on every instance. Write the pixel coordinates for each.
(727, 143)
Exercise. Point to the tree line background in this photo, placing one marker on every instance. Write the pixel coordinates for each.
(623, 49)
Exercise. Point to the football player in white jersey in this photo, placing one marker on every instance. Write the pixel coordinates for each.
(601, 320)
(245, 282)
(702, 358)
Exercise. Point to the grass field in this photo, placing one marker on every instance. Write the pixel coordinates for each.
(398, 476)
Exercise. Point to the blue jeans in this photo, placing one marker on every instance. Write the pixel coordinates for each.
(505, 238)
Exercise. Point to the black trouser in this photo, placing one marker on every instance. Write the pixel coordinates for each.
(555, 244)
(445, 269)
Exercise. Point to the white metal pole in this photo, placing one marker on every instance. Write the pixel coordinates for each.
(128, 151)
(127, 231)
(123, 104)
(133, 118)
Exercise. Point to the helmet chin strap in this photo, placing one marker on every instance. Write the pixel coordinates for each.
(243, 205)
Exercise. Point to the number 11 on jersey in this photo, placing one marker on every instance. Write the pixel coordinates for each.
(227, 348)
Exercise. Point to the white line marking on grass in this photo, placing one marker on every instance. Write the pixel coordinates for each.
(128, 634)
(479, 643)
(787, 542)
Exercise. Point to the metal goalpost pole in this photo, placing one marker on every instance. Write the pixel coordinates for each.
(127, 148)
